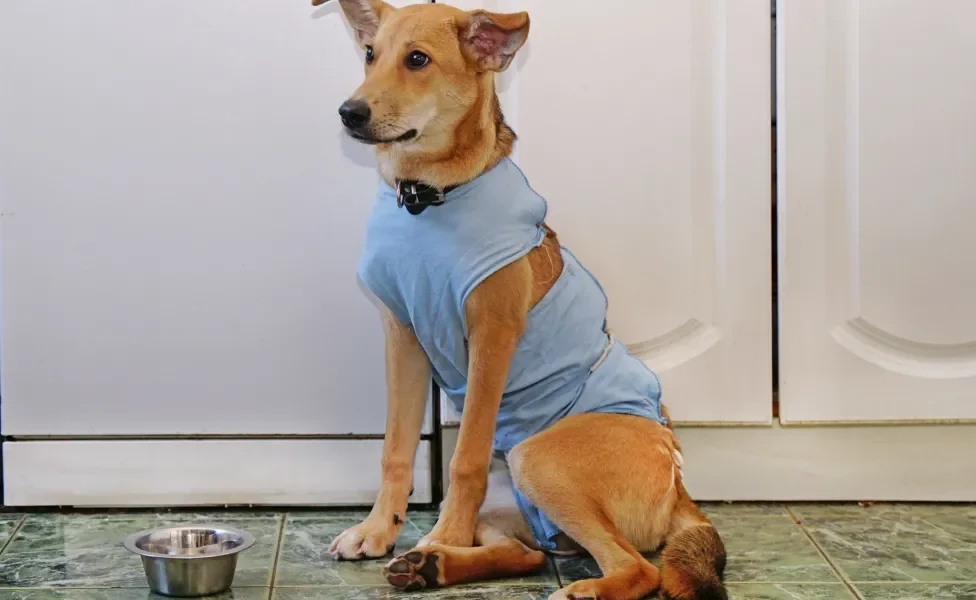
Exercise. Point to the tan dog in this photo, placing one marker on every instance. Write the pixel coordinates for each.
(612, 483)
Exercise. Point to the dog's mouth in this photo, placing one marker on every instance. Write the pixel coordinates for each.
(372, 141)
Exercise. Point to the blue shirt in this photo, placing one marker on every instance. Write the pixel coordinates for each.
(423, 267)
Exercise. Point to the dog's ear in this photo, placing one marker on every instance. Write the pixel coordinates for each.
(490, 40)
(364, 16)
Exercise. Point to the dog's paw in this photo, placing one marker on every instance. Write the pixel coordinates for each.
(416, 570)
(366, 540)
(581, 590)
(449, 532)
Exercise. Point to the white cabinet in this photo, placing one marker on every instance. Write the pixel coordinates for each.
(651, 144)
(181, 221)
(646, 127)
(181, 225)
(876, 210)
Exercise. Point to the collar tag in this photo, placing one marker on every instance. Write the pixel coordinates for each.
(416, 196)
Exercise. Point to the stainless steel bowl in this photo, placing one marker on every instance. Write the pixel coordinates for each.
(189, 561)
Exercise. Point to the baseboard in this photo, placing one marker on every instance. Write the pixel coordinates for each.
(160, 473)
(907, 463)
(844, 463)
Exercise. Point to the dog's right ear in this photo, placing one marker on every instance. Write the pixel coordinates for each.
(363, 15)
(491, 40)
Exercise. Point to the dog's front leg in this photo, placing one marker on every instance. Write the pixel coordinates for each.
(496, 312)
(408, 389)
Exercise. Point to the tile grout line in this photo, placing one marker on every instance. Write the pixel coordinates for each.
(775, 582)
(555, 569)
(918, 582)
(823, 553)
(97, 588)
(13, 534)
(499, 584)
(277, 555)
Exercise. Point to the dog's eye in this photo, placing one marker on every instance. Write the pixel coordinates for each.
(417, 60)
(369, 54)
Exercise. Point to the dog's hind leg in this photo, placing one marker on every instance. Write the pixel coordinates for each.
(498, 553)
(612, 483)
(504, 546)
(627, 574)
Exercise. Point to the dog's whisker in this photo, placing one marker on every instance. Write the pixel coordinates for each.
(455, 98)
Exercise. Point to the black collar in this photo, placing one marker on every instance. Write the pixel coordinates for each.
(417, 196)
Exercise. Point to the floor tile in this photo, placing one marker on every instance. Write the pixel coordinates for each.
(742, 509)
(205, 516)
(467, 592)
(8, 522)
(956, 522)
(86, 551)
(916, 591)
(122, 594)
(305, 557)
(789, 591)
(762, 544)
(305, 560)
(854, 510)
(574, 568)
(769, 548)
(896, 542)
(345, 515)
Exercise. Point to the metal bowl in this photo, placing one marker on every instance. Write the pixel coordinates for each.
(190, 561)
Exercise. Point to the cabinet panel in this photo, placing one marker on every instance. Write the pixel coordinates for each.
(646, 127)
(877, 138)
(182, 219)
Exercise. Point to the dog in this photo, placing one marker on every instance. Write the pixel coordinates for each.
(477, 292)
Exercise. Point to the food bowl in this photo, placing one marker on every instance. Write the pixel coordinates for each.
(190, 561)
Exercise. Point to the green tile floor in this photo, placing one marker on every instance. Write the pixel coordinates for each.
(776, 552)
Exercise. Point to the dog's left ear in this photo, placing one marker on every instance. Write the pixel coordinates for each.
(364, 16)
(490, 40)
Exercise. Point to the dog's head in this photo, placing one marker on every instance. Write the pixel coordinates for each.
(427, 67)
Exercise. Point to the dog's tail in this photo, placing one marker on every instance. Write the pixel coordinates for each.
(693, 556)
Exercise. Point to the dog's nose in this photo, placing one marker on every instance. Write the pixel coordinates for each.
(354, 113)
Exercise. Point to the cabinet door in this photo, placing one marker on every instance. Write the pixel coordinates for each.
(876, 210)
(182, 220)
(646, 127)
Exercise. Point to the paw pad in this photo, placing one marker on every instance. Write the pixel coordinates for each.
(413, 571)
